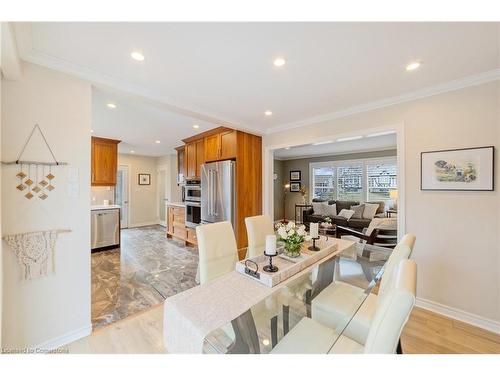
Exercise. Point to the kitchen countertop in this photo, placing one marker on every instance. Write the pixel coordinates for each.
(103, 207)
(177, 204)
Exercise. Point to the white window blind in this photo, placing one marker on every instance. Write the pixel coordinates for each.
(323, 179)
(382, 178)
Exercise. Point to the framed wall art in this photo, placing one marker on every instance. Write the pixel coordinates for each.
(294, 187)
(465, 169)
(295, 175)
(144, 179)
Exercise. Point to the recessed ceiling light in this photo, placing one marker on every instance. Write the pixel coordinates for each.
(91, 130)
(132, 151)
(349, 138)
(322, 143)
(287, 148)
(413, 66)
(111, 105)
(279, 61)
(157, 141)
(380, 134)
(268, 113)
(196, 126)
(137, 56)
(266, 342)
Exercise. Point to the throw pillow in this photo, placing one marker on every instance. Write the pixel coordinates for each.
(346, 213)
(370, 209)
(358, 211)
(318, 208)
(329, 209)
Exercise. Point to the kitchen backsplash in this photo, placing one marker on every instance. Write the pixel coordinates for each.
(101, 193)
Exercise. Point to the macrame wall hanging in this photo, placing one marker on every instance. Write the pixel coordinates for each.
(35, 251)
(35, 178)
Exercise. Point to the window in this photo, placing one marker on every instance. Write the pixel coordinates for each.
(350, 182)
(382, 178)
(323, 183)
(355, 180)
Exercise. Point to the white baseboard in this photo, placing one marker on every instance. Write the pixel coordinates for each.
(457, 314)
(144, 224)
(65, 339)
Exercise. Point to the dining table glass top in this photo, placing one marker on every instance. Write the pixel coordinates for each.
(346, 280)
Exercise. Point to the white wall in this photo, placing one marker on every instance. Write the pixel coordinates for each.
(457, 249)
(56, 308)
(142, 198)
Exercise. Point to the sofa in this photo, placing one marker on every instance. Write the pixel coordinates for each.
(310, 217)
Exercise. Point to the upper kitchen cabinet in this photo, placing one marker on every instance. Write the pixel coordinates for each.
(195, 157)
(221, 145)
(104, 161)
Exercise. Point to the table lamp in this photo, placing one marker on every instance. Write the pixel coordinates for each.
(393, 194)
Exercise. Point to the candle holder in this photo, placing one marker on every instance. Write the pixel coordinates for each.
(314, 247)
(270, 267)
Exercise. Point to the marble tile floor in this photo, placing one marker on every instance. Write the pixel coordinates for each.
(146, 269)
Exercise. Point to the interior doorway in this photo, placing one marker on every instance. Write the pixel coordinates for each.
(122, 194)
(163, 181)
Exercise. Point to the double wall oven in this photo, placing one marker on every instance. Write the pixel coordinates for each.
(192, 200)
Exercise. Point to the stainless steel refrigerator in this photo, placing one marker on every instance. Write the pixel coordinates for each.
(218, 192)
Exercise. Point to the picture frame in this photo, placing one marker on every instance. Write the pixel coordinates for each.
(144, 179)
(461, 169)
(295, 175)
(295, 187)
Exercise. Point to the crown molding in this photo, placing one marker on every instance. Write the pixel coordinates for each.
(473, 80)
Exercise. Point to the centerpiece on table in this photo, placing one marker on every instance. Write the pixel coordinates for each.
(327, 222)
(292, 237)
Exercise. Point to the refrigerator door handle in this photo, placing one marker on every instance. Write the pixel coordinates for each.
(209, 195)
(214, 192)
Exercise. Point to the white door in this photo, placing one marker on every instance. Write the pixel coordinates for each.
(122, 194)
(163, 194)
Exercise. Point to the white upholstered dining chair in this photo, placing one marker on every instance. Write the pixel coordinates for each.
(217, 248)
(332, 306)
(391, 315)
(258, 227)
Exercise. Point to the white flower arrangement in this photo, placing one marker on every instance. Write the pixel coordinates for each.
(291, 234)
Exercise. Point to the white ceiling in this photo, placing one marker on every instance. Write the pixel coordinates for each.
(365, 144)
(140, 123)
(223, 72)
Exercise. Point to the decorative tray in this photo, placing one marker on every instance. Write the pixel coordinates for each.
(287, 267)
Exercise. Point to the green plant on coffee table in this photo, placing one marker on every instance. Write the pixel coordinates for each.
(292, 237)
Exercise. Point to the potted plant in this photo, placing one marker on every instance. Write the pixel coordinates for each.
(292, 237)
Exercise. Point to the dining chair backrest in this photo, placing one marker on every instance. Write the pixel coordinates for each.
(393, 313)
(409, 240)
(400, 252)
(217, 249)
(258, 227)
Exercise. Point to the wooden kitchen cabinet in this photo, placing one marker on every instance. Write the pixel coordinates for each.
(221, 146)
(227, 145)
(212, 143)
(195, 157)
(104, 161)
(176, 226)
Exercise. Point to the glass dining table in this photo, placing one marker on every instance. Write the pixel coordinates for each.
(259, 329)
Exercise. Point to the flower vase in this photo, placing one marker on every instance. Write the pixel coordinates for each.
(292, 250)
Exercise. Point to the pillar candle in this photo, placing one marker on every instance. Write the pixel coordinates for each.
(314, 230)
(271, 244)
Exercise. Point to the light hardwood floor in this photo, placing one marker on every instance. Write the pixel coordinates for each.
(425, 333)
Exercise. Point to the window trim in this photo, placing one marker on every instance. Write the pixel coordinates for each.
(336, 163)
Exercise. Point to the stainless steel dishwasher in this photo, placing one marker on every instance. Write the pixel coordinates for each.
(105, 228)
